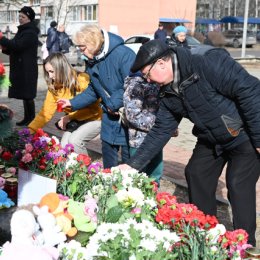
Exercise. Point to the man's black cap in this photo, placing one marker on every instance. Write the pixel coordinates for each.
(149, 53)
(28, 11)
(53, 24)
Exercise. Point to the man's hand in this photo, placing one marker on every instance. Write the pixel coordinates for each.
(65, 102)
(258, 150)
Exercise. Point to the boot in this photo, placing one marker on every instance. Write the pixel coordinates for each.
(29, 112)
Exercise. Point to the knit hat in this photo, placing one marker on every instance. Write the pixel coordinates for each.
(28, 11)
(148, 53)
(179, 29)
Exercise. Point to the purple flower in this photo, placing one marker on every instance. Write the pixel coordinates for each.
(94, 167)
(68, 148)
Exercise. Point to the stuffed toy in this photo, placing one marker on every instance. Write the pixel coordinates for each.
(26, 252)
(24, 228)
(5, 202)
(58, 207)
(2, 182)
(24, 244)
(52, 234)
(91, 208)
(81, 221)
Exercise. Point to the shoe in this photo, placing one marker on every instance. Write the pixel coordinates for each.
(24, 122)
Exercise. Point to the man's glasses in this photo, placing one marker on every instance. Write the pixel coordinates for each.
(147, 74)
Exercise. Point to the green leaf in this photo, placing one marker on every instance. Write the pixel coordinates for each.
(83, 237)
(112, 202)
(114, 214)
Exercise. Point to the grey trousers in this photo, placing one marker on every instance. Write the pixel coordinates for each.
(80, 137)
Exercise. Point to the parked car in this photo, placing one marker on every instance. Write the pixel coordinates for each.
(134, 42)
(234, 38)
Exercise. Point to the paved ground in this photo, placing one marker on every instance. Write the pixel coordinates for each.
(176, 153)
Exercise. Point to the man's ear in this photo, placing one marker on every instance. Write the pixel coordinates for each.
(161, 63)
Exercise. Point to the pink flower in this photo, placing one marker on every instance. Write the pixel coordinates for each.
(136, 211)
(28, 148)
(91, 208)
(27, 158)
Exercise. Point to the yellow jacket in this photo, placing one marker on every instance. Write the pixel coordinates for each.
(92, 112)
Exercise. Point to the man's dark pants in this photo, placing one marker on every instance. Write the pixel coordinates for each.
(243, 168)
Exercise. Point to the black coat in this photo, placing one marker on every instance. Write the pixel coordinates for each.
(217, 94)
(22, 50)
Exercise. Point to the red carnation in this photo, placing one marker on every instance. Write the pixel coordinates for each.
(7, 156)
(85, 159)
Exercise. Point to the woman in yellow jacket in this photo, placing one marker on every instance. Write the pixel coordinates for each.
(65, 82)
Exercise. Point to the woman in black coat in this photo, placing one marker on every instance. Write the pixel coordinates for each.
(22, 50)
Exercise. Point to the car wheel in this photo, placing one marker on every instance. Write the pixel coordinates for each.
(236, 44)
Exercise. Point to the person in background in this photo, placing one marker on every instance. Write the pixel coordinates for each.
(52, 42)
(178, 37)
(108, 63)
(141, 102)
(22, 50)
(64, 39)
(226, 118)
(65, 82)
(44, 50)
(160, 33)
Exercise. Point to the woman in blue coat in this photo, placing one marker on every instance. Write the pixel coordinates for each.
(108, 63)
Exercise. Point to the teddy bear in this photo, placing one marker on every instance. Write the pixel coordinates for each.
(57, 205)
(24, 228)
(5, 202)
(81, 221)
(25, 243)
(52, 234)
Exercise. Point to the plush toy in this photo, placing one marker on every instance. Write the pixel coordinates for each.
(24, 228)
(25, 252)
(2, 182)
(81, 221)
(5, 202)
(58, 207)
(52, 234)
(91, 208)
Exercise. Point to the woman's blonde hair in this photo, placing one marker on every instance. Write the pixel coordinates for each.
(91, 36)
(65, 75)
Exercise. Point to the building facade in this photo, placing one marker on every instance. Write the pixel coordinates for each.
(124, 17)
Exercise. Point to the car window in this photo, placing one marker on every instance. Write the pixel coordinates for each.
(192, 40)
(131, 40)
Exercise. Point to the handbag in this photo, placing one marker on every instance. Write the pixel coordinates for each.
(71, 125)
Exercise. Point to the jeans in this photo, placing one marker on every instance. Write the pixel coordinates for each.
(155, 168)
(80, 137)
(110, 154)
(243, 164)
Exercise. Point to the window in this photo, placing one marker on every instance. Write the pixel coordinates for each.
(9, 16)
(36, 2)
(84, 13)
(47, 11)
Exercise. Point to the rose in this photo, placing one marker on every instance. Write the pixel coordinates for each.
(2, 69)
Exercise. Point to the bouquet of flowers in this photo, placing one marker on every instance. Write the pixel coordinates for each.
(202, 237)
(4, 81)
(131, 219)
